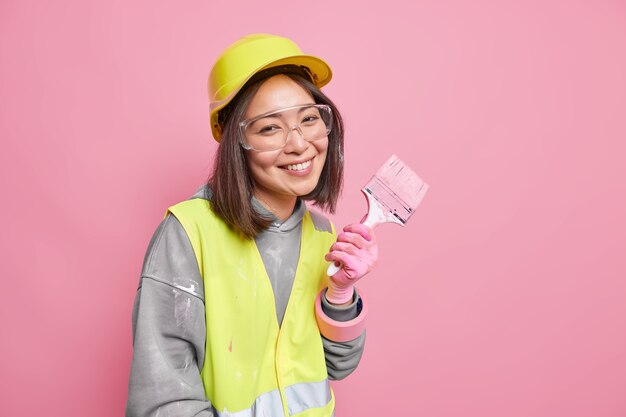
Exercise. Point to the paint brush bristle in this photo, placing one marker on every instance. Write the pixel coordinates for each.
(397, 187)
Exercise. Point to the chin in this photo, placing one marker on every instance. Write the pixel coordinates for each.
(303, 191)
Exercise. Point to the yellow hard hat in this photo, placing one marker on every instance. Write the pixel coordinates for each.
(249, 55)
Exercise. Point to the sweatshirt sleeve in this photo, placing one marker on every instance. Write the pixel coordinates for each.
(342, 358)
(169, 330)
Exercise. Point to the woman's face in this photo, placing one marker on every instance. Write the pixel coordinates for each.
(294, 170)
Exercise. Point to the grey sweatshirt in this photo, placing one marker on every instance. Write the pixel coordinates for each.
(169, 328)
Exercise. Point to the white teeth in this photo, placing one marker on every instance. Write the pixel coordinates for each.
(299, 167)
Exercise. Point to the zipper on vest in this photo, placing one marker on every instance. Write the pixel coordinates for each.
(294, 286)
(281, 388)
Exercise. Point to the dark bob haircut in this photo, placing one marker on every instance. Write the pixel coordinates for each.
(231, 182)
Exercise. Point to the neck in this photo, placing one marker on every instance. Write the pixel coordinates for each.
(280, 207)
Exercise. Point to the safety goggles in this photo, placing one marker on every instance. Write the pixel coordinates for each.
(271, 131)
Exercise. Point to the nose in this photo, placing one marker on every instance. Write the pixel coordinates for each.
(295, 140)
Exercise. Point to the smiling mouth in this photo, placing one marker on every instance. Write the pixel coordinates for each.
(298, 167)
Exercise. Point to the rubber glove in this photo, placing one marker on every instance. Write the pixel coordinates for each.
(357, 251)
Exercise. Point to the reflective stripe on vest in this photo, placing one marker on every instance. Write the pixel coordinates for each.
(253, 367)
(307, 395)
(268, 404)
(300, 397)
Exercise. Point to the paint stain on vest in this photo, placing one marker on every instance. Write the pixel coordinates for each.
(230, 346)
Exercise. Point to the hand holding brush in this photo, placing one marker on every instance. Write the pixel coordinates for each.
(357, 252)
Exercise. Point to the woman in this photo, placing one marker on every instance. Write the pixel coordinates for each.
(235, 315)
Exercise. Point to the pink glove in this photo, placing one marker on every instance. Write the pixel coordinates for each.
(357, 251)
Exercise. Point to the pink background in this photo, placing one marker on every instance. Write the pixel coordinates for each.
(504, 296)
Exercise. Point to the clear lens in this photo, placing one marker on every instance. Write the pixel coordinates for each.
(270, 131)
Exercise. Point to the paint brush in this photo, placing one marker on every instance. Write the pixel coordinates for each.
(393, 194)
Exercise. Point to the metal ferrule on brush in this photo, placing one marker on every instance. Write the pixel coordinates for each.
(384, 205)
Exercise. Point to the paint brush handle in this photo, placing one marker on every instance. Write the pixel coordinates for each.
(376, 214)
(333, 269)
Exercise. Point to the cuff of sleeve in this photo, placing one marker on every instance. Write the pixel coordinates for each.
(340, 331)
(342, 313)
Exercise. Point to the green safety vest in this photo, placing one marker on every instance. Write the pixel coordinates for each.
(253, 367)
